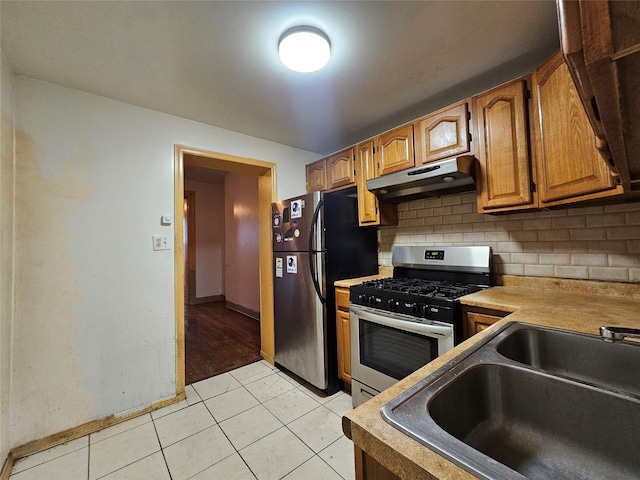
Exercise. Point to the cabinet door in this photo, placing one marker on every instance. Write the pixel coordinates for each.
(344, 345)
(370, 210)
(343, 334)
(317, 176)
(479, 321)
(340, 169)
(366, 169)
(600, 42)
(568, 162)
(504, 163)
(443, 134)
(394, 150)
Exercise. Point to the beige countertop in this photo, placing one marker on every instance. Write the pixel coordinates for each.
(350, 282)
(573, 305)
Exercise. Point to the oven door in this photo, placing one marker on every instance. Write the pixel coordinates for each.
(386, 347)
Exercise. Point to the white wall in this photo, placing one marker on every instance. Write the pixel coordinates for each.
(7, 114)
(94, 326)
(210, 230)
(242, 277)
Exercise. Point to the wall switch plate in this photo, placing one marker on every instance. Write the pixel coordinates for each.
(160, 242)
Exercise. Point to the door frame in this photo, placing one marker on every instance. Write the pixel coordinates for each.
(266, 173)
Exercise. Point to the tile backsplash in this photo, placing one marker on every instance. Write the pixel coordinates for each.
(589, 243)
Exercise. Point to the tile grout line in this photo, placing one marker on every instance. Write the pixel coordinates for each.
(166, 464)
(315, 454)
(226, 436)
(296, 386)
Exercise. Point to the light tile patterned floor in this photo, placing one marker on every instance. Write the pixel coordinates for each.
(254, 422)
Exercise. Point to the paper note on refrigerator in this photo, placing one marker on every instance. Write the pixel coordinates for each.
(292, 264)
(278, 267)
(296, 208)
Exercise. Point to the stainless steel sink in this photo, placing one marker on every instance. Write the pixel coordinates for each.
(514, 408)
(575, 355)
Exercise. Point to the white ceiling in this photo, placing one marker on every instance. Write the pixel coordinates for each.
(217, 62)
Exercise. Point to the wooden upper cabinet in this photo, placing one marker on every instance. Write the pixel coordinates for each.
(504, 164)
(443, 134)
(340, 169)
(601, 41)
(568, 163)
(394, 150)
(370, 210)
(365, 169)
(317, 176)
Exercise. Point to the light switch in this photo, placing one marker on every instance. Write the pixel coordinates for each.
(160, 242)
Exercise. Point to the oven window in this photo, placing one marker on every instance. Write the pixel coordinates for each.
(394, 352)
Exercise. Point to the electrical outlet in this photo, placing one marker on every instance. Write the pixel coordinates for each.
(160, 242)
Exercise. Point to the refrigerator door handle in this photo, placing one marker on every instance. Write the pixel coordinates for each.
(312, 252)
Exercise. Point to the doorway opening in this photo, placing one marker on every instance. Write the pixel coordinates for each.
(265, 173)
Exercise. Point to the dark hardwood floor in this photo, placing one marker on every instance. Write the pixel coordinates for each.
(218, 340)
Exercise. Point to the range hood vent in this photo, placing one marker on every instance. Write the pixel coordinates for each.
(434, 179)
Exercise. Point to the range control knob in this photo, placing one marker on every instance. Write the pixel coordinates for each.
(407, 307)
(364, 298)
(419, 309)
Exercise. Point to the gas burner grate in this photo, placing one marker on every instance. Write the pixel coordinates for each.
(421, 287)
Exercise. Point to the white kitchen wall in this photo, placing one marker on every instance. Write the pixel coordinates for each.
(7, 115)
(242, 277)
(94, 320)
(209, 237)
(590, 243)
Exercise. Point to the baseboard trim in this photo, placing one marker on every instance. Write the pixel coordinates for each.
(7, 467)
(267, 358)
(65, 436)
(243, 310)
(212, 298)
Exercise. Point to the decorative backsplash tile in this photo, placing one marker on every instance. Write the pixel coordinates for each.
(590, 243)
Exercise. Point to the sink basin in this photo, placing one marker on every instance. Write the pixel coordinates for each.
(579, 356)
(525, 404)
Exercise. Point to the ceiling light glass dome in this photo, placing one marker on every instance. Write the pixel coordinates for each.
(304, 49)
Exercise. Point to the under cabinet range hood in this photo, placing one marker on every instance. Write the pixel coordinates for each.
(432, 179)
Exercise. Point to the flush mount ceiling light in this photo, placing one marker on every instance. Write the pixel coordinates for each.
(304, 49)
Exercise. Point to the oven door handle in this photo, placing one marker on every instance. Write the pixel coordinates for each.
(420, 328)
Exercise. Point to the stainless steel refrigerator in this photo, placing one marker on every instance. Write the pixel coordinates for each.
(316, 241)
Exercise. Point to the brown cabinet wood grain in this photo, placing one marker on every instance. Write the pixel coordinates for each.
(317, 176)
(601, 41)
(343, 335)
(504, 175)
(569, 165)
(395, 150)
(368, 468)
(341, 169)
(442, 134)
(477, 319)
(370, 210)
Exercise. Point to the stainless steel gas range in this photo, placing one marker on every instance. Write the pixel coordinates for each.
(401, 323)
